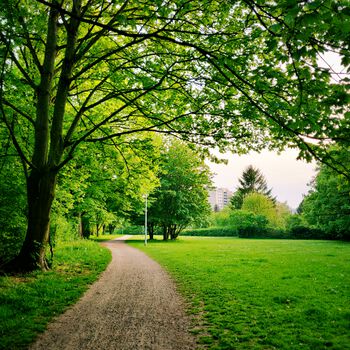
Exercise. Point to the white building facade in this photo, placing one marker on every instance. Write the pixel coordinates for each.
(219, 198)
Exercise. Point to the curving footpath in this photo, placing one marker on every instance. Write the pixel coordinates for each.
(134, 305)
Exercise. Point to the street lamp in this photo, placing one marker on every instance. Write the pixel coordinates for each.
(145, 218)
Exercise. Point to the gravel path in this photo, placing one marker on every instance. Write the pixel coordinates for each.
(134, 305)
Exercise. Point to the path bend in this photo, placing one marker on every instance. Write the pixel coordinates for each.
(133, 305)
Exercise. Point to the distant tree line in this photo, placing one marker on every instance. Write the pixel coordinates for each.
(237, 75)
(102, 191)
(253, 213)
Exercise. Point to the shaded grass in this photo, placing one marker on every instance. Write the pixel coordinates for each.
(28, 302)
(263, 294)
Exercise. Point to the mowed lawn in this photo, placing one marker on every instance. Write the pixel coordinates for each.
(28, 302)
(262, 294)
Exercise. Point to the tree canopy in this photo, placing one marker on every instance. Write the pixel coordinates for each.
(251, 181)
(247, 71)
(182, 197)
(243, 75)
(327, 205)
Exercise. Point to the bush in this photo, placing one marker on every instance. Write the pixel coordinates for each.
(298, 228)
(63, 229)
(221, 218)
(261, 232)
(211, 232)
(304, 232)
(10, 243)
(240, 219)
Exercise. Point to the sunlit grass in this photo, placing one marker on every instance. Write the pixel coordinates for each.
(103, 238)
(28, 302)
(263, 294)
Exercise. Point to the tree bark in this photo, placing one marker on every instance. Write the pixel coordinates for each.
(111, 228)
(151, 231)
(97, 230)
(41, 191)
(86, 230)
(80, 226)
(48, 145)
(165, 233)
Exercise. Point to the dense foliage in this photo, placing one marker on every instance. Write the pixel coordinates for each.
(12, 206)
(243, 75)
(327, 206)
(251, 181)
(182, 197)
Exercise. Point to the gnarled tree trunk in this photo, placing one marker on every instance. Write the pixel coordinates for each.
(48, 143)
(41, 189)
(151, 230)
(165, 233)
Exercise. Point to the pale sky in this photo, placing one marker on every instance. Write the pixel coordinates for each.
(287, 176)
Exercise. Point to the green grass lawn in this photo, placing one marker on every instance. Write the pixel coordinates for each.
(263, 294)
(28, 302)
(104, 238)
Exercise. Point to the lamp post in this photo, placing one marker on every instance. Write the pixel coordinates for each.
(146, 219)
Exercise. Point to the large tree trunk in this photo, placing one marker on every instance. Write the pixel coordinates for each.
(111, 228)
(86, 228)
(41, 181)
(41, 189)
(165, 233)
(151, 231)
(80, 226)
(48, 141)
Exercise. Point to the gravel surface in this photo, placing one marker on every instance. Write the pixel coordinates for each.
(134, 305)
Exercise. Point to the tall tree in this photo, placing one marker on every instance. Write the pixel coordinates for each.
(252, 180)
(242, 74)
(327, 206)
(275, 212)
(182, 197)
(103, 183)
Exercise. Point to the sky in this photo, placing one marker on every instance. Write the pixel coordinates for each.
(287, 176)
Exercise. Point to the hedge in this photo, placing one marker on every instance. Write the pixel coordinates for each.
(211, 232)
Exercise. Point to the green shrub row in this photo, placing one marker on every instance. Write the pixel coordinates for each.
(300, 232)
(211, 232)
(130, 230)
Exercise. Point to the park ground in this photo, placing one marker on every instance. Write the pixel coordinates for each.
(242, 293)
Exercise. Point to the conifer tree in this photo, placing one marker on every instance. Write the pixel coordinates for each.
(252, 180)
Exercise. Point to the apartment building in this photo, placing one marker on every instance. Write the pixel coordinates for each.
(219, 198)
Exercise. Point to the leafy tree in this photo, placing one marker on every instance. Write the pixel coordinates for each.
(276, 213)
(327, 206)
(182, 197)
(252, 181)
(221, 218)
(259, 204)
(111, 186)
(283, 213)
(248, 224)
(239, 75)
